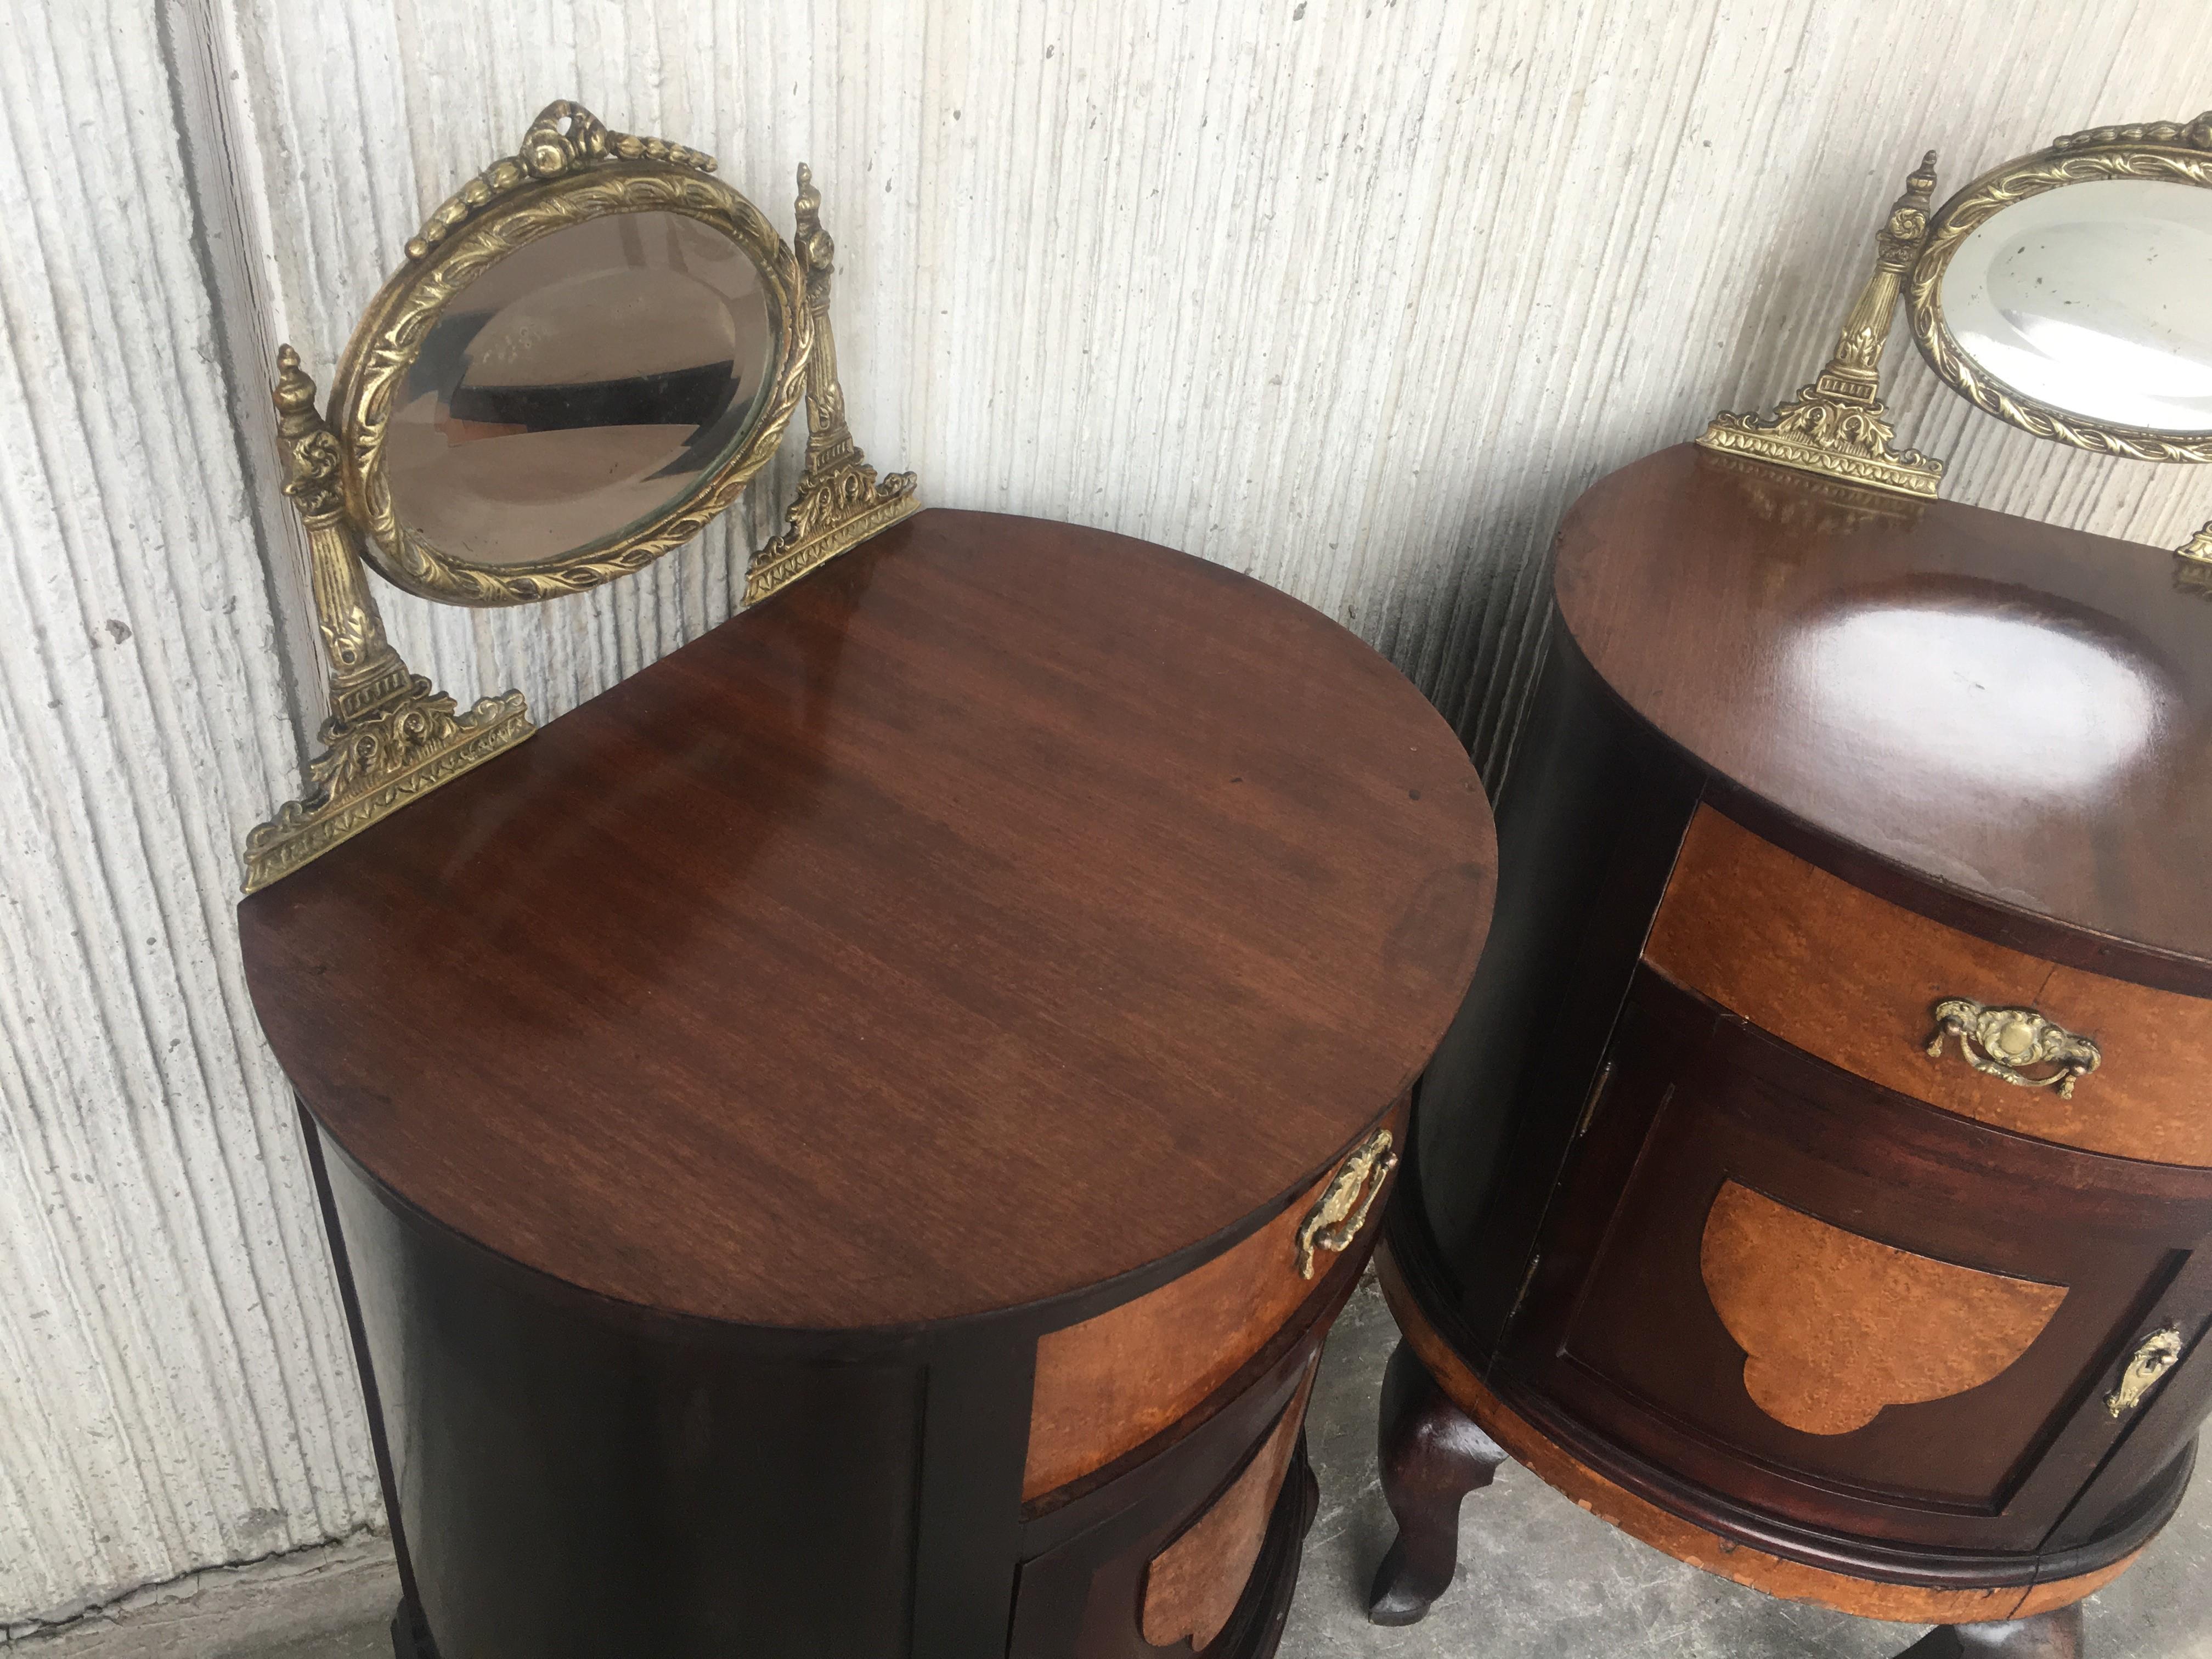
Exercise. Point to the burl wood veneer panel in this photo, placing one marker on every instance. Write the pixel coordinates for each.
(1852, 978)
(1108, 1385)
(1193, 1585)
(1686, 1541)
(1834, 1326)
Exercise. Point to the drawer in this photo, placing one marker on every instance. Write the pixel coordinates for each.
(1108, 1385)
(1855, 980)
(1194, 1585)
(1189, 1551)
(1833, 1305)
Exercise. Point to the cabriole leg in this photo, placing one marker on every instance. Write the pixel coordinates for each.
(1432, 1456)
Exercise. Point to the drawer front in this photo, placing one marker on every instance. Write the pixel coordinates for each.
(1856, 980)
(1194, 1585)
(1832, 1305)
(1109, 1384)
(1185, 1552)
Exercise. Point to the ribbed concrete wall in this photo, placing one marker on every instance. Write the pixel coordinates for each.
(1354, 296)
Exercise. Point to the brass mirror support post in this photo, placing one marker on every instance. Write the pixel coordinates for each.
(1838, 426)
(840, 502)
(390, 736)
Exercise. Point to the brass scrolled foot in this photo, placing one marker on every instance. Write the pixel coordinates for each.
(375, 765)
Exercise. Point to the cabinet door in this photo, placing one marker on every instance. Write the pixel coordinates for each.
(1827, 1302)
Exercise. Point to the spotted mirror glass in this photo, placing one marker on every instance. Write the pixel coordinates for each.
(2092, 300)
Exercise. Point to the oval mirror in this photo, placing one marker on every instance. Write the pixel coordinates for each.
(571, 382)
(2065, 292)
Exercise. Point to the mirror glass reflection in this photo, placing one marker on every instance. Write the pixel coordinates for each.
(2092, 298)
(581, 384)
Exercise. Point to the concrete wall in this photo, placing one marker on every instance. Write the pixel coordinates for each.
(1355, 295)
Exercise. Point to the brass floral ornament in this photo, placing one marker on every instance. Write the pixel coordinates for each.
(1341, 1210)
(700, 423)
(390, 736)
(2077, 337)
(2159, 1354)
(1999, 1042)
(840, 502)
(1837, 427)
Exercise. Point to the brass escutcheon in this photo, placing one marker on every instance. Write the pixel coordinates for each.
(1998, 1042)
(2159, 1352)
(1341, 1209)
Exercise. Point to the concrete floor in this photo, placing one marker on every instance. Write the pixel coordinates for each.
(1538, 1578)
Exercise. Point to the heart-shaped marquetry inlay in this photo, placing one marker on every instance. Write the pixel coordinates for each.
(1835, 1326)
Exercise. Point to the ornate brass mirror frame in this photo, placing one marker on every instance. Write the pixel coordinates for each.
(1838, 427)
(391, 735)
(2162, 152)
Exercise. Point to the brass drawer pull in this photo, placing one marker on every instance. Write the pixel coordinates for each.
(2160, 1350)
(1998, 1042)
(1341, 1209)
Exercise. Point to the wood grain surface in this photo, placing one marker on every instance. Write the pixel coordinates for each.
(1835, 1326)
(1106, 1385)
(2013, 713)
(1193, 1585)
(1007, 909)
(1686, 1541)
(1853, 979)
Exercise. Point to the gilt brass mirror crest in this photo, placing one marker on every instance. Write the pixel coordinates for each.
(2063, 292)
(592, 349)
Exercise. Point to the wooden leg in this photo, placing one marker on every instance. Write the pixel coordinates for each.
(2054, 1635)
(1432, 1456)
(411, 1635)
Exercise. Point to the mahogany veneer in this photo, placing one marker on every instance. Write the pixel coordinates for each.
(812, 1142)
(1694, 1224)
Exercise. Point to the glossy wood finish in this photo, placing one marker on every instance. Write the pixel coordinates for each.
(741, 1111)
(1620, 1328)
(1431, 1455)
(1086, 1563)
(1692, 1220)
(786, 983)
(2007, 718)
(1723, 1554)
(1853, 978)
(1107, 1384)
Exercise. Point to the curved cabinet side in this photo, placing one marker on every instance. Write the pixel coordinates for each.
(1590, 816)
(570, 1487)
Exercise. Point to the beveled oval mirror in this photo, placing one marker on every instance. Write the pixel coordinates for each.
(588, 354)
(2065, 292)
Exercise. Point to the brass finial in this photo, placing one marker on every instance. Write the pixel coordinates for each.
(391, 735)
(312, 453)
(840, 501)
(1838, 426)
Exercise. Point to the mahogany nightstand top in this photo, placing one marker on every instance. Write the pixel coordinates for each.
(1007, 907)
(2012, 722)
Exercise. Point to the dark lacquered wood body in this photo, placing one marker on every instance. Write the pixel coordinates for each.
(1693, 1215)
(815, 1142)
